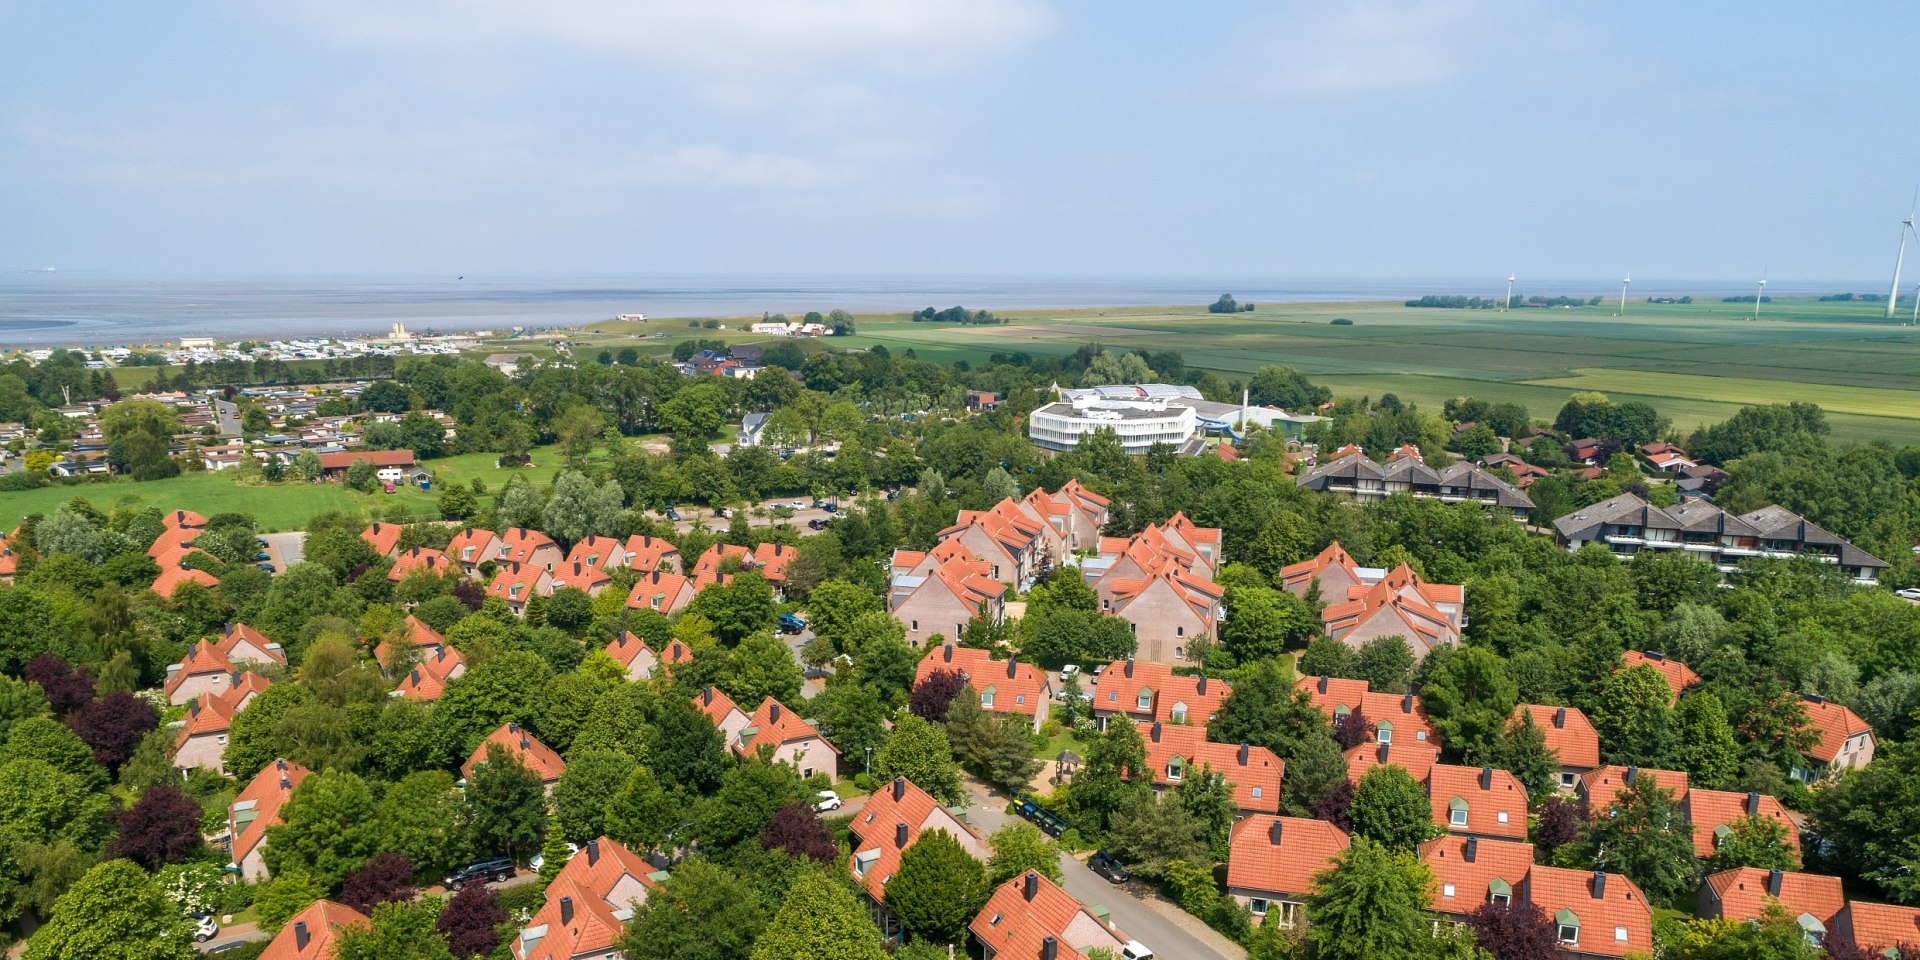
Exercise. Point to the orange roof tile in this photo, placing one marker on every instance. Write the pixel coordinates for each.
(314, 933)
(1254, 771)
(647, 553)
(529, 578)
(1404, 713)
(587, 904)
(1467, 871)
(772, 560)
(1281, 854)
(715, 703)
(1835, 724)
(200, 659)
(266, 792)
(382, 537)
(602, 552)
(522, 746)
(1568, 732)
(182, 520)
(484, 545)
(1120, 686)
(1023, 912)
(1875, 927)
(1496, 803)
(172, 544)
(1603, 784)
(1614, 916)
(171, 578)
(582, 576)
(519, 544)
(1418, 759)
(658, 590)
(1708, 810)
(1328, 693)
(419, 636)
(1680, 678)
(626, 648)
(419, 558)
(1742, 893)
(775, 724)
(1017, 687)
(706, 569)
(428, 679)
(879, 836)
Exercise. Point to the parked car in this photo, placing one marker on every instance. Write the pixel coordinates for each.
(390, 488)
(1135, 950)
(790, 624)
(268, 567)
(816, 524)
(1910, 593)
(828, 800)
(795, 504)
(483, 870)
(1108, 866)
(672, 514)
(540, 859)
(204, 927)
(263, 556)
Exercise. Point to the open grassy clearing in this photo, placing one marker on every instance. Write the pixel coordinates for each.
(1841, 399)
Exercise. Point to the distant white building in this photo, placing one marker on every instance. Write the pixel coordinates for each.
(1139, 421)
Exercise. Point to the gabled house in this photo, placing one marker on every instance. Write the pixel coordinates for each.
(1011, 544)
(171, 578)
(1167, 611)
(1680, 678)
(944, 599)
(1845, 741)
(422, 642)
(172, 544)
(1571, 737)
(1363, 603)
(789, 739)
(893, 819)
(1146, 692)
(211, 666)
(1877, 929)
(474, 546)
(183, 520)
(1469, 872)
(1349, 471)
(1477, 802)
(1087, 516)
(1029, 918)
(709, 568)
(727, 716)
(428, 679)
(254, 810)
(384, 538)
(1712, 814)
(634, 656)
(1666, 457)
(674, 654)
(1595, 914)
(522, 747)
(1417, 759)
(587, 905)
(661, 591)
(771, 560)
(1388, 716)
(647, 553)
(529, 547)
(518, 583)
(1272, 862)
(1601, 786)
(1002, 686)
(314, 933)
(420, 559)
(1743, 893)
(581, 576)
(202, 741)
(598, 551)
(1178, 753)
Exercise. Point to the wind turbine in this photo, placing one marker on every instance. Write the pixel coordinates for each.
(1916, 304)
(1761, 295)
(1906, 228)
(1623, 294)
(1509, 305)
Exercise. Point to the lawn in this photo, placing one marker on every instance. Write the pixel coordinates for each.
(1872, 401)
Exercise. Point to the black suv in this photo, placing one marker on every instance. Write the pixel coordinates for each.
(1108, 865)
(490, 868)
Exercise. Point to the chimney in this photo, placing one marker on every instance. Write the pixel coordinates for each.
(1486, 778)
(1049, 949)
(193, 707)
(191, 647)
(1406, 703)
(1323, 683)
(1633, 773)
(1773, 882)
(1156, 731)
(1383, 753)
(946, 653)
(1472, 849)
(773, 712)
(1010, 665)
(1650, 655)
(900, 835)
(656, 576)
(416, 675)
(899, 788)
(286, 784)
(1243, 753)
(1560, 718)
(300, 936)
(593, 851)
(1273, 832)
(1753, 804)
(525, 745)
(1030, 886)
(376, 528)
(706, 696)
(566, 910)
(512, 727)
(1600, 884)
(1202, 685)
(280, 764)
(1129, 670)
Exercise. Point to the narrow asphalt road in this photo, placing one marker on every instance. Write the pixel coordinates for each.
(1139, 913)
(229, 414)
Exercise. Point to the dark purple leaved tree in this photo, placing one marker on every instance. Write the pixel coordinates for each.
(1332, 807)
(795, 829)
(161, 827)
(384, 878)
(470, 592)
(67, 688)
(932, 696)
(1355, 730)
(471, 920)
(113, 726)
(1517, 930)
(1560, 821)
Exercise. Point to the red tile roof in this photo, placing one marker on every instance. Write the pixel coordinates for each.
(519, 544)
(706, 568)
(428, 679)
(1568, 732)
(597, 550)
(530, 578)
(377, 458)
(1254, 771)
(776, 725)
(1014, 924)
(1619, 904)
(898, 803)
(658, 590)
(171, 578)
(419, 558)
(647, 553)
(182, 520)
(1603, 784)
(484, 543)
(1471, 866)
(319, 927)
(200, 659)
(582, 576)
(382, 537)
(1835, 724)
(1874, 927)
(522, 746)
(268, 791)
(772, 559)
(1680, 678)
(1119, 687)
(1281, 854)
(1418, 759)
(715, 703)
(173, 544)
(587, 904)
(1709, 810)
(419, 636)
(1496, 802)
(626, 648)
(1330, 692)
(1742, 893)
(1017, 687)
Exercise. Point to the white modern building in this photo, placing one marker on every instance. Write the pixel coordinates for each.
(1140, 422)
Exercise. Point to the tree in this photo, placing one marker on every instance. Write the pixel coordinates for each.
(471, 920)
(737, 608)
(1386, 663)
(139, 434)
(1265, 710)
(918, 750)
(796, 829)
(554, 854)
(686, 749)
(398, 931)
(1262, 622)
(932, 695)
(1286, 388)
(700, 912)
(1559, 822)
(385, 396)
(423, 818)
(29, 626)
(360, 476)
(586, 790)
(43, 739)
(114, 912)
(113, 726)
(1114, 773)
(1630, 714)
(733, 818)
(508, 804)
(764, 667)
(1703, 743)
(1524, 753)
(1327, 657)
(161, 827)
(1207, 797)
(1316, 768)
(1390, 808)
(641, 812)
(938, 888)
(1149, 833)
(327, 829)
(1643, 835)
(1469, 698)
(1020, 847)
(1754, 841)
(384, 878)
(1776, 935)
(1517, 930)
(1370, 904)
(821, 920)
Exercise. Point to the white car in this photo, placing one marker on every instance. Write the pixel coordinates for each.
(539, 859)
(828, 800)
(1910, 593)
(1135, 950)
(204, 927)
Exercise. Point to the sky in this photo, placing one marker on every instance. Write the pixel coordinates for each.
(1299, 140)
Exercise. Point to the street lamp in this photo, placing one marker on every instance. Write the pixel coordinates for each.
(869, 762)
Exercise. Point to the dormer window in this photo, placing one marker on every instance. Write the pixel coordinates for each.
(1384, 732)
(1567, 925)
(1500, 892)
(1179, 713)
(986, 699)
(1175, 770)
(1145, 700)
(1340, 713)
(1457, 812)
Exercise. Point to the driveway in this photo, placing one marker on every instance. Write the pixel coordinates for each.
(1140, 913)
(234, 936)
(692, 515)
(285, 549)
(229, 415)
